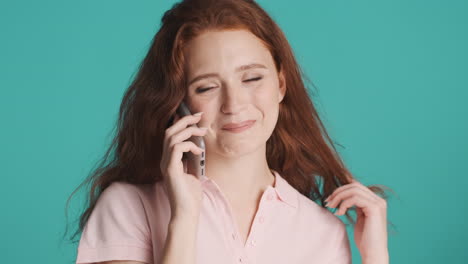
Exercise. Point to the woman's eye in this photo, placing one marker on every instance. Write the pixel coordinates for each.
(254, 79)
(202, 90)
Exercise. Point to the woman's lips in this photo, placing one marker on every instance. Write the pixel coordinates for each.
(238, 127)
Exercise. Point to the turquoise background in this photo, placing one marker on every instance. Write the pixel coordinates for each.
(391, 80)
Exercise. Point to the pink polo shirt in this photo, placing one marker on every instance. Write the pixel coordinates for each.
(130, 222)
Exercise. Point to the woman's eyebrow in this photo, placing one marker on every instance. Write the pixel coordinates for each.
(238, 69)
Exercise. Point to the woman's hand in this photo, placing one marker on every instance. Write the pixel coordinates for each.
(184, 190)
(370, 231)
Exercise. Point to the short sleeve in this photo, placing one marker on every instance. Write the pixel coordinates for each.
(342, 252)
(117, 228)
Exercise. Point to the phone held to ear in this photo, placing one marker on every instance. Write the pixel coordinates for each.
(195, 163)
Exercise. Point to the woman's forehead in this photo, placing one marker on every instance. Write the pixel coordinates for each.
(225, 49)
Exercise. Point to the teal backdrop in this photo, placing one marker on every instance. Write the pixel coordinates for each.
(391, 82)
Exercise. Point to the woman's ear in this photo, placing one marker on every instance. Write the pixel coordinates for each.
(282, 85)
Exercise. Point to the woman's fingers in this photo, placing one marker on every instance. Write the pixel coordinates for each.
(187, 133)
(355, 195)
(178, 126)
(183, 123)
(347, 186)
(339, 195)
(359, 201)
(182, 147)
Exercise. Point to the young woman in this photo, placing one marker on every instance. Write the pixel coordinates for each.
(269, 161)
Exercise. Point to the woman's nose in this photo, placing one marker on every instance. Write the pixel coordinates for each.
(234, 100)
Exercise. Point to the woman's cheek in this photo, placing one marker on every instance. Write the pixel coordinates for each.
(265, 91)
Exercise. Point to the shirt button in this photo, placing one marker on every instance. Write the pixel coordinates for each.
(241, 260)
(253, 242)
(261, 219)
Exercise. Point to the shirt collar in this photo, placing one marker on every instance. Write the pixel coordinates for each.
(282, 188)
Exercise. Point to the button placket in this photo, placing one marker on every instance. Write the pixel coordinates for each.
(259, 226)
(257, 229)
(244, 259)
(238, 247)
(228, 224)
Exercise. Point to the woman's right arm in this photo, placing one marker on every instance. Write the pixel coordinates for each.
(184, 193)
(180, 243)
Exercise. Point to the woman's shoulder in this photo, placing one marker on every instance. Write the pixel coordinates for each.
(125, 192)
(118, 223)
(118, 188)
(311, 211)
(308, 210)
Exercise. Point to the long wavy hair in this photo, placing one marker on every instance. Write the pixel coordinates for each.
(299, 148)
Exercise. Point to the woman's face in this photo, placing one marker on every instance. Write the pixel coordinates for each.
(232, 91)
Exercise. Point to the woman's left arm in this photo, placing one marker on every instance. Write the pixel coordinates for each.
(370, 231)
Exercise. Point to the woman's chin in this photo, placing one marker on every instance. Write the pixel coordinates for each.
(236, 149)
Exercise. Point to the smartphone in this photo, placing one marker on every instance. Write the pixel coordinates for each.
(195, 164)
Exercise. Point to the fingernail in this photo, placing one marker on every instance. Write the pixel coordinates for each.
(198, 114)
(204, 128)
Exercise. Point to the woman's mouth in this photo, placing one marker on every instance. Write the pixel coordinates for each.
(238, 127)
